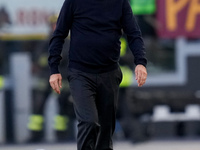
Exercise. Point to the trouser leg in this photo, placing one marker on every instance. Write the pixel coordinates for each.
(83, 90)
(107, 96)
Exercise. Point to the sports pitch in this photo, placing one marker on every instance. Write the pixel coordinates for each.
(151, 145)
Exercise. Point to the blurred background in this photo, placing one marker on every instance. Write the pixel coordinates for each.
(166, 107)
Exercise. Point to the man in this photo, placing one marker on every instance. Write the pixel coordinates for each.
(93, 72)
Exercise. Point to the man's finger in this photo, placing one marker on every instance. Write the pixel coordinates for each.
(143, 79)
(60, 83)
(139, 78)
(57, 89)
(136, 74)
(52, 85)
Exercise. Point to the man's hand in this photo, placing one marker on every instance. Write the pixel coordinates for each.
(140, 74)
(55, 81)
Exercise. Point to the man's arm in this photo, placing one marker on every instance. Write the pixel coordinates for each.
(63, 26)
(135, 42)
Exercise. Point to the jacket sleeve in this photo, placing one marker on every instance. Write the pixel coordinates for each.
(132, 30)
(63, 26)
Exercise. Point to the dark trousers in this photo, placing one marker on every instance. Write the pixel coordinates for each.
(95, 101)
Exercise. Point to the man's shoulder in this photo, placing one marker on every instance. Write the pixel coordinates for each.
(67, 2)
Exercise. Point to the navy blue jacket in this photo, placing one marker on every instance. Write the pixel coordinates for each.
(95, 29)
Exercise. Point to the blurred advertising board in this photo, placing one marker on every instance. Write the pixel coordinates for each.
(143, 7)
(26, 18)
(178, 18)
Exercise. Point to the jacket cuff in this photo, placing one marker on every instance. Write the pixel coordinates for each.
(141, 61)
(54, 69)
